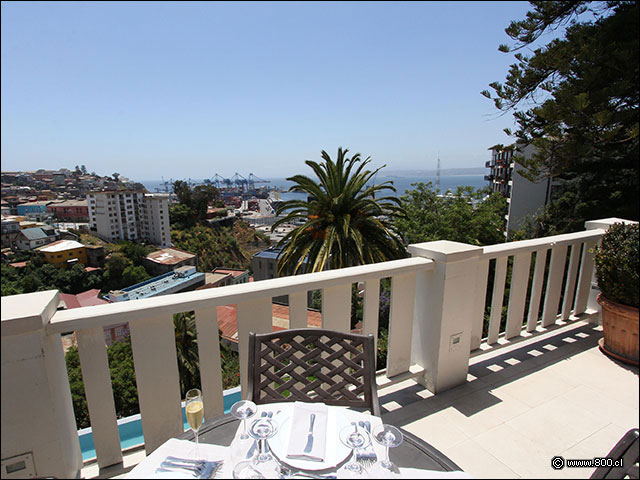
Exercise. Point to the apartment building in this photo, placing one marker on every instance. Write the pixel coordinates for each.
(525, 198)
(130, 215)
(155, 218)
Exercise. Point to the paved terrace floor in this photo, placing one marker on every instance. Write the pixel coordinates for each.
(553, 394)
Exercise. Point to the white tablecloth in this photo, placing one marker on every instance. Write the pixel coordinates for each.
(186, 449)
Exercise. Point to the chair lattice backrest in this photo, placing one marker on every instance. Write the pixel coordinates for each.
(313, 365)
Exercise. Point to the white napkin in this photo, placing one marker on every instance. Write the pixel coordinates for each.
(182, 449)
(300, 429)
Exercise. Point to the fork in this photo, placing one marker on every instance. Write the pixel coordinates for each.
(366, 456)
(198, 467)
(212, 474)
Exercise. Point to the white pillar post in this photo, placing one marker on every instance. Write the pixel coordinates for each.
(443, 316)
(38, 423)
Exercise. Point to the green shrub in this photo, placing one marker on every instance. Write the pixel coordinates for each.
(617, 264)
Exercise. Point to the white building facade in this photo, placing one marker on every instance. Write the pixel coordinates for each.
(130, 215)
(525, 198)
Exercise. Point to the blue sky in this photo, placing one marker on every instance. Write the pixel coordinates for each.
(192, 89)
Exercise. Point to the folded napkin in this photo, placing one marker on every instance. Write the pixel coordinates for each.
(307, 442)
(148, 468)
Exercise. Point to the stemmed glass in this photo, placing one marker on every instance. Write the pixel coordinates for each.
(354, 437)
(242, 410)
(263, 429)
(390, 437)
(194, 409)
(264, 462)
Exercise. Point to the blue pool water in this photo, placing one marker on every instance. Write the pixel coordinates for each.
(130, 428)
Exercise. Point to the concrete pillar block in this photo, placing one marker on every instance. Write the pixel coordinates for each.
(443, 313)
(38, 423)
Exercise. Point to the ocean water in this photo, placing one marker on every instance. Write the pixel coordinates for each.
(402, 184)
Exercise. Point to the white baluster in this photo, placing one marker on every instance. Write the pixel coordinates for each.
(517, 294)
(156, 365)
(97, 387)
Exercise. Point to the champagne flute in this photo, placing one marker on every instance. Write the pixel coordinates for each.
(242, 410)
(194, 409)
(390, 437)
(354, 437)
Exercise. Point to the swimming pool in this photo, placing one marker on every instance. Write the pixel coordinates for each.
(130, 428)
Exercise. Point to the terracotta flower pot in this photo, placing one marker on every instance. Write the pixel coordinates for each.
(620, 327)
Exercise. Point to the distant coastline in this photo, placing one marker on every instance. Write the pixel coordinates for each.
(449, 172)
(402, 180)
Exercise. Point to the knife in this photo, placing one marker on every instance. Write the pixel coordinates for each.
(307, 449)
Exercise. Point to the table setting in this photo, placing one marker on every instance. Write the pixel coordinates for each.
(288, 440)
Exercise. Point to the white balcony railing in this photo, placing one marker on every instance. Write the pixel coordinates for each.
(436, 322)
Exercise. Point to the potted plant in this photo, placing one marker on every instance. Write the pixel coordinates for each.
(616, 261)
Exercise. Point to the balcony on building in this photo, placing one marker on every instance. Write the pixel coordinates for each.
(500, 393)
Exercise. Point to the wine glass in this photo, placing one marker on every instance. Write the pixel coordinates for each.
(246, 469)
(242, 410)
(354, 437)
(263, 429)
(194, 409)
(390, 437)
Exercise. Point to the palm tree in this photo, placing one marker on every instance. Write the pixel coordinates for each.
(344, 224)
(187, 351)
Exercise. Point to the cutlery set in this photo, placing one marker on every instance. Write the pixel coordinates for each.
(366, 456)
(198, 468)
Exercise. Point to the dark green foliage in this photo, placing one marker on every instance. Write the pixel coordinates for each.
(193, 204)
(123, 378)
(230, 366)
(465, 216)
(214, 247)
(133, 275)
(617, 264)
(187, 351)
(38, 277)
(135, 252)
(77, 388)
(382, 349)
(123, 382)
(576, 101)
(181, 216)
(120, 272)
(345, 224)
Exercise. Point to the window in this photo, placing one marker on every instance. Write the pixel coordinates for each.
(59, 256)
(71, 254)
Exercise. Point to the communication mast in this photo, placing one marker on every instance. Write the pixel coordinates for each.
(438, 175)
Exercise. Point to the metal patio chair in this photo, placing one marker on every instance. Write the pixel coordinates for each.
(313, 365)
(626, 450)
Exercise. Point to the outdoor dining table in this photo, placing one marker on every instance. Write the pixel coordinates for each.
(413, 452)
(414, 457)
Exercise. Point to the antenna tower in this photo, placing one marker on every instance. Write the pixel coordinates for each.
(438, 175)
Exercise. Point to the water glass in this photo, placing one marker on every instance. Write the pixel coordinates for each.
(354, 437)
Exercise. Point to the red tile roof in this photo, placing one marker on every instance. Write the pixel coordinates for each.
(18, 264)
(84, 299)
(228, 323)
(235, 272)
